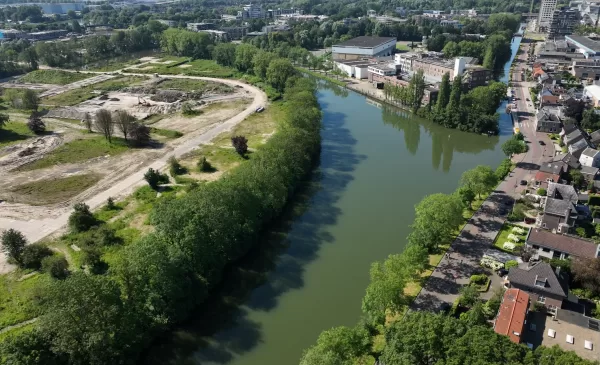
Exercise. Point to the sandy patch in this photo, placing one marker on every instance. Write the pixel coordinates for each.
(185, 66)
(148, 59)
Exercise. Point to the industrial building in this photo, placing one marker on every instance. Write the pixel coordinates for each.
(547, 8)
(364, 47)
(196, 27)
(251, 11)
(589, 47)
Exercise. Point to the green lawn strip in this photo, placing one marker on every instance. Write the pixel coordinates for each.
(79, 95)
(79, 150)
(69, 120)
(16, 331)
(105, 214)
(113, 65)
(207, 68)
(57, 77)
(321, 76)
(402, 46)
(18, 298)
(14, 132)
(503, 237)
(256, 127)
(52, 191)
(153, 118)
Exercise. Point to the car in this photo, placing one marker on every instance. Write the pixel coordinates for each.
(542, 143)
(527, 99)
(502, 272)
(523, 182)
(260, 109)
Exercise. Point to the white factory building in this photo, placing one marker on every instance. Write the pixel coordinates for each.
(364, 47)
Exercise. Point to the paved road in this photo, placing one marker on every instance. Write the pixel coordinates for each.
(35, 230)
(462, 260)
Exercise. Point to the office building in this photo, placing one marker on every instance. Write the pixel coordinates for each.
(547, 8)
(562, 24)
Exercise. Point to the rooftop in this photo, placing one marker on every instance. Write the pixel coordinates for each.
(365, 42)
(593, 90)
(541, 278)
(586, 42)
(553, 167)
(558, 207)
(590, 152)
(512, 314)
(587, 170)
(573, 246)
(562, 191)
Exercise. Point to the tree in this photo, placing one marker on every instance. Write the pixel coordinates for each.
(417, 88)
(4, 118)
(339, 345)
(541, 192)
(139, 134)
(513, 146)
(469, 296)
(590, 120)
(587, 273)
(30, 100)
(154, 178)
(443, 95)
(240, 143)
(104, 124)
(261, 62)
(81, 219)
(574, 109)
(466, 195)
(13, 244)
(87, 121)
(175, 167)
(75, 26)
(577, 178)
(436, 218)
(124, 121)
(224, 54)
(278, 72)
(480, 180)
(244, 54)
(33, 255)
(56, 266)
(36, 125)
(204, 165)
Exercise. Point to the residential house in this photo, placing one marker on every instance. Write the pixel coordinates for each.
(595, 138)
(543, 284)
(550, 171)
(547, 121)
(559, 246)
(546, 97)
(589, 173)
(560, 212)
(574, 138)
(571, 161)
(512, 314)
(578, 147)
(590, 157)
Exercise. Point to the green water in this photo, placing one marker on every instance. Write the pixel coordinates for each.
(310, 274)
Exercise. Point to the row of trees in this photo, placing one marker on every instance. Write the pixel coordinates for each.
(101, 319)
(410, 96)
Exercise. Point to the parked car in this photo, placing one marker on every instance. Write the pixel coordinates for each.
(542, 143)
(502, 273)
(260, 109)
(523, 182)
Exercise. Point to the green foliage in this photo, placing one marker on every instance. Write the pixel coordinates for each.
(594, 200)
(240, 143)
(503, 169)
(478, 279)
(203, 165)
(466, 195)
(510, 264)
(81, 219)
(57, 77)
(541, 192)
(590, 120)
(339, 345)
(580, 231)
(13, 244)
(4, 118)
(33, 255)
(56, 266)
(469, 296)
(513, 146)
(154, 178)
(186, 43)
(175, 167)
(224, 54)
(30, 100)
(576, 177)
(436, 218)
(278, 72)
(480, 180)
(36, 125)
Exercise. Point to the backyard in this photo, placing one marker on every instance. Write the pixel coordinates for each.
(506, 234)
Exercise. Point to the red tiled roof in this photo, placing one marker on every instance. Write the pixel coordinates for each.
(512, 314)
(544, 176)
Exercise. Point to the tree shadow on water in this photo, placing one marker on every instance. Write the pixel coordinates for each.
(221, 329)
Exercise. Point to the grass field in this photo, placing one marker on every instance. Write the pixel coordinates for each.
(208, 68)
(18, 298)
(14, 132)
(52, 191)
(77, 96)
(195, 85)
(79, 150)
(503, 237)
(56, 77)
(402, 46)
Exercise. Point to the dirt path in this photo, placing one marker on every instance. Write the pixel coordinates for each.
(37, 228)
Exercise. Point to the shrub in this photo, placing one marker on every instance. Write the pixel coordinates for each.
(240, 143)
(56, 266)
(204, 165)
(503, 169)
(81, 219)
(13, 244)
(139, 134)
(479, 279)
(510, 264)
(92, 258)
(188, 110)
(541, 192)
(155, 178)
(36, 125)
(175, 167)
(34, 254)
(100, 236)
(145, 194)
(110, 204)
(539, 307)
(30, 100)
(580, 231)
(594, 200)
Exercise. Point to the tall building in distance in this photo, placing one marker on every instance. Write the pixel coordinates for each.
(251, 11)
(563, 23)
(546, 13)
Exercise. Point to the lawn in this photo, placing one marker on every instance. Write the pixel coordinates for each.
(503, 237)
(195, 85)
(53, 191)
(79, 150)
(56, 77)
(207, 68)
(402, 46)
(256, 127)
(14, 132)
(76, 96)
(18, 298)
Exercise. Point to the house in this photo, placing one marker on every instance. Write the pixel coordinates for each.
(543, 284)
(546, 97)
(589, 173)
(512, 315)
(546, 121)
(593, 92)
(590, 157)
(550, 171)
(572, 135)
(571, 161)
(560, 211)
(549, 245)
(578, 147)
(595, 138)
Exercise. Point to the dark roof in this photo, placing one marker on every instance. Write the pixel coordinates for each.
(568, 244)
(590, 152)
(568, 128)
(562, 192)
(573, 136)
(365, 41)
(553, 167)
(584, 41)
(541, 278)
(587, 170)
(578, 319)
(567, 158)
(558, 207)
(595, 136)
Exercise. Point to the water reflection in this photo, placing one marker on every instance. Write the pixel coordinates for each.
(444, 141)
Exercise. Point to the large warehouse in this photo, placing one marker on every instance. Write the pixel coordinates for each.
(363, 47)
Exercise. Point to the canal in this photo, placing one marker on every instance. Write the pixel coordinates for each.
(310, 274)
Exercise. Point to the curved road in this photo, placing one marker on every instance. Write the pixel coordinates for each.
(35, 230)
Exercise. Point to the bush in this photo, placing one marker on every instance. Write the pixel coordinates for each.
(81, 219)
(580, 231)
(594, 200)
(539, 307)
(101, 236)
(204, 165)
(240, 143)
(510, 264)
(13, 244)
(478, 279)
(56, 266)
(92, 258)
(188, 110)
(541, 192)
(175, 167)
(36, 125)
(503, 170)
(155, 178)
(110, 204)
(30, 100)
(34, 254)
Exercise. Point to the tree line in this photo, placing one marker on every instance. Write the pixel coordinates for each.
(156, 282)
